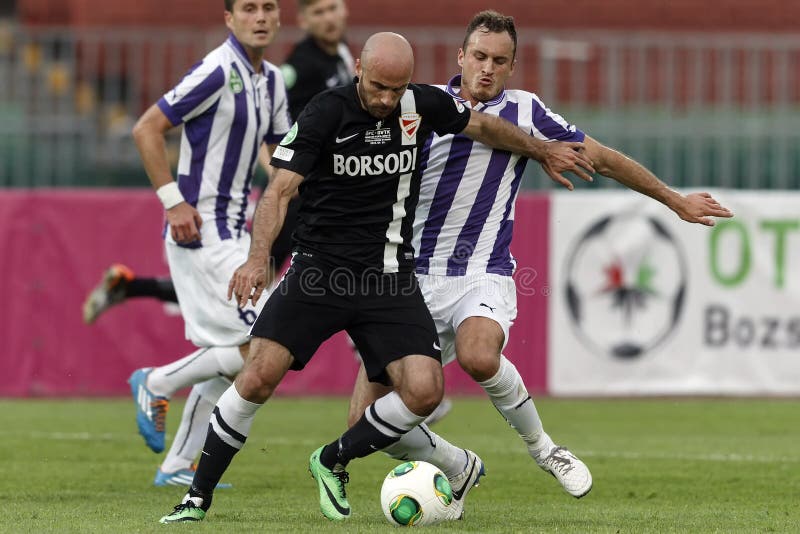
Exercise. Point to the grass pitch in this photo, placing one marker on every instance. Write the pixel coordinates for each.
(658, 466)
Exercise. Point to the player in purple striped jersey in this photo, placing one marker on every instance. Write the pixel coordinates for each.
(233, 108)
(462, 234)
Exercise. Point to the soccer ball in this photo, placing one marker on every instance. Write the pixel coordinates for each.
(416, 493)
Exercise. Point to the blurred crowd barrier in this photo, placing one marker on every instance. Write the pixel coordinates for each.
(699, 109)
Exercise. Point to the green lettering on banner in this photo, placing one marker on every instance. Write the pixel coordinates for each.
(781, 227)
(740, 273)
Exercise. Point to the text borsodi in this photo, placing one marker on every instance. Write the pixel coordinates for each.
(402, 162)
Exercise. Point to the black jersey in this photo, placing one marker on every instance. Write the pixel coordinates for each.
(362, 175)
(309, 70)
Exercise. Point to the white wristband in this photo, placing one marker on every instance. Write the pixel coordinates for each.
(169, 195)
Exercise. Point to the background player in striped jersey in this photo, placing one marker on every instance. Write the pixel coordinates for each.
(356, 151)
(233, 107)
(321, 60)
(462, 234)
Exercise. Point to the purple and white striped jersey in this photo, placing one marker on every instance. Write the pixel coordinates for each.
(465, 215)
(229, 110)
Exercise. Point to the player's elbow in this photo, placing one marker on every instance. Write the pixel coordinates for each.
(140, 131)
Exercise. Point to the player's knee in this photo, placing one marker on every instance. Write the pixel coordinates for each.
(479, 364)
(254, 387)
(422, 396)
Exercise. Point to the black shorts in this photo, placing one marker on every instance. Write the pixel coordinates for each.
(384, 314)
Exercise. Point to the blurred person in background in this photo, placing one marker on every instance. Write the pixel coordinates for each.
(462, 234)
(322, 59)
(234, 109)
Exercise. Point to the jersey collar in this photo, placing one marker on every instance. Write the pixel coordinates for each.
(454, 89)
(234, 43)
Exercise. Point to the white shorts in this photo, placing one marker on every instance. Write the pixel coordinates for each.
(201, 277)
(452, 299)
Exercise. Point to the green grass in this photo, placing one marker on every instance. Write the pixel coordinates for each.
(658, 466)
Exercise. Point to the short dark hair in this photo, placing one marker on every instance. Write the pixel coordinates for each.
(492, 22)
(229, 4)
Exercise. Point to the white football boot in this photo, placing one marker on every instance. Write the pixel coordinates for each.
(571, 473)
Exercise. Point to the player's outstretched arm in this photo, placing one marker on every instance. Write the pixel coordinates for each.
(694, 207)
(250, 279)
(555, 157)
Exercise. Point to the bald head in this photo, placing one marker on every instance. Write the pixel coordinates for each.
(384, 71)
(388, 54)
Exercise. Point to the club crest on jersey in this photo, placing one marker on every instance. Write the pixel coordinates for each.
(235, 82)
(409, 124)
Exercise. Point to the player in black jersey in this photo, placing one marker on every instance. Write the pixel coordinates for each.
(354, 153)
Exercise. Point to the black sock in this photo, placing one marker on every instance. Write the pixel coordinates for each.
(360, 440)
(216, 458)
(160, 288)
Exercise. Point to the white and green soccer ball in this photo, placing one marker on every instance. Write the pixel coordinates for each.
(416, 494)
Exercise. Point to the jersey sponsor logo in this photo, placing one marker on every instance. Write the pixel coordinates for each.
(343, 139)
(236, 84)
(402, 162)
(290, 135)
(409, 123)
(286, 154)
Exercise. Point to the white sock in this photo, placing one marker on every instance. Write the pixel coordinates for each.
(192, 431)
(233, 417)
(509, 395)
(202, 364)
(420, 443)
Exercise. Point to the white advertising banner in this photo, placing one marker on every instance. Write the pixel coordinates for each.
(643, 303)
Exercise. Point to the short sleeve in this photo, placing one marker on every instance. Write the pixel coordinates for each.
(547, 125)
(280, 120)
(195, 93)
(446, 114)
(299, 150)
